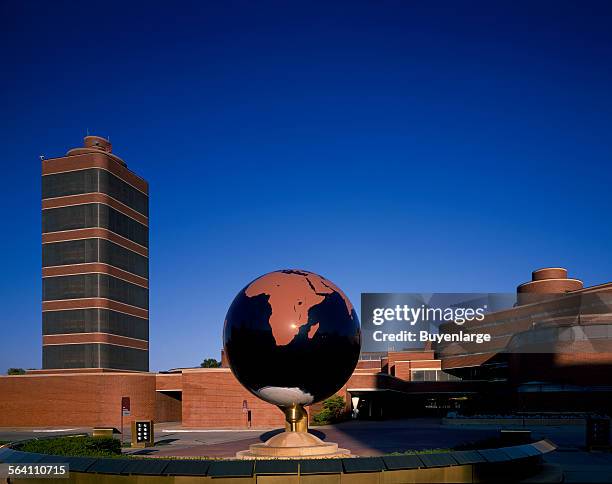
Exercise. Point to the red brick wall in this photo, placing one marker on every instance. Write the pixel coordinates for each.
(402, 370)
(213, 398)
(429, 365)
(395, 356)
(410, 355)
(362, 381)
(369, 364)
(75, 399)
(167, 408)
(168, 381)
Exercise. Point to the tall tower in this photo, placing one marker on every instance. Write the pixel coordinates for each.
(95, 224)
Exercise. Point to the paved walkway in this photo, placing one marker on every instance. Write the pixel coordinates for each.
(362, 438)
(582, 466)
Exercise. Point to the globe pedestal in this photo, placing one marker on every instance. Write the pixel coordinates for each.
(289, 445)
(295, 442)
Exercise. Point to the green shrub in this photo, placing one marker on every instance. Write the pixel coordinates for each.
(74, 446)
(421, 451)
(333, 411)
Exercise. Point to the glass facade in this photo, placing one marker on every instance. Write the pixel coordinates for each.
(95, 320)
(70, 252)
(70, 183)
(94, 355)
(95, 250)
(95, 285)
(94, 215)
(92, 180)
(431, 375)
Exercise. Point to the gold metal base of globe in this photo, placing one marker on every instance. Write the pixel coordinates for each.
(295, 442)
(296, 418)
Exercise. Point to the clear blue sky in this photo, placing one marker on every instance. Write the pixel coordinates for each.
(390, 146)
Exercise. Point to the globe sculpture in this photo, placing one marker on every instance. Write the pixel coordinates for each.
(292, 338)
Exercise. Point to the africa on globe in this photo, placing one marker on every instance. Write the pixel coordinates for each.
(292, 337)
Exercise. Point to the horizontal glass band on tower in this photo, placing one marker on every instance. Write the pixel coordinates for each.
(94, 215)
(82, 251)
(95, 320)
(95, 285)
(94, 355)
(94, 180)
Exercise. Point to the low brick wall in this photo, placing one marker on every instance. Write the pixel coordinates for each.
(79, 399)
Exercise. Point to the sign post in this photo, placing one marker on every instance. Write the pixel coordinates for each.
(125, 412)
(247, 412)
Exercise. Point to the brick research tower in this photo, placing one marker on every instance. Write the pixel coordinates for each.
(95, 261)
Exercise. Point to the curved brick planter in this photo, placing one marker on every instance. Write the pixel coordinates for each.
(488, 465)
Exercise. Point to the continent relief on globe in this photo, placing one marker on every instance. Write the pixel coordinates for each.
(291, 295)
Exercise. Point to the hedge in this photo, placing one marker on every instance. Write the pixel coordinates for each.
(74, 446)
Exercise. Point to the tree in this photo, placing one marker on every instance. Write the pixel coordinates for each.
(15, 371)
(210, 363)
(334, 410)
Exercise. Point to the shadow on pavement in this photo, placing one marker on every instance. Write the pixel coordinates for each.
(271, 433)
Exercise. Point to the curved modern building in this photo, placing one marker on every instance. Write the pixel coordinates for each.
(558, 332)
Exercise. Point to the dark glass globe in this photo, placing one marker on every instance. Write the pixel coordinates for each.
(292, 337)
